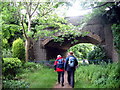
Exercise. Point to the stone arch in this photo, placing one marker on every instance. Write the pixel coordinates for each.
(55, 48)
(91, 35)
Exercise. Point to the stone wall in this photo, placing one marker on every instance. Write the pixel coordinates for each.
(39, 51)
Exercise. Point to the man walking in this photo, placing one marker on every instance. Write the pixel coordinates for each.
(70, 66)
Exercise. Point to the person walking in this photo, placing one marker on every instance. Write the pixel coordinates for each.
(59, 67)
(70, 67)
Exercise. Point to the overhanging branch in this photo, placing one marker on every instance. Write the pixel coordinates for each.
(101, 5)
(23, 27)
(35, 9)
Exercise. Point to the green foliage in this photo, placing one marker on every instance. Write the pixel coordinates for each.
(97, 54)
(81, 50)
(10, 67)
(40, 75)
(44, 78)
(116, 35)
(10, 23)
(9, 12)
(10, 30)
(5, 43)
(30, 66)
(18, 49)
(45, 24)
(6, 53)
(99, 76)
(107, 10)
(20, 72)
(9, 33)
(30, 33)
(57, 28)
(14, 84)
(54, 26)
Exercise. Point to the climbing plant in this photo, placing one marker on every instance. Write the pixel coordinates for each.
(57, 28)
(116, 34)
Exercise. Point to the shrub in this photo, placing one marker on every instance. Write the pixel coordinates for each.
(6, 53)
(18, 49)
(97, 54)
(31, 66)
(5, 43)
(100, 76)
(11, 67)
(81, 50)
(15, 84)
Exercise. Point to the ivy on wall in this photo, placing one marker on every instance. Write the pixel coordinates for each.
(116, 36)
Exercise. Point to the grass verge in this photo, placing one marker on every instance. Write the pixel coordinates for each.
(98, 76)
(43, 78)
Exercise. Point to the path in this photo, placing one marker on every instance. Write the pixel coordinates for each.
(66, 85)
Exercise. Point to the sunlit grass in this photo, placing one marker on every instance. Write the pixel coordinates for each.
(45, 78)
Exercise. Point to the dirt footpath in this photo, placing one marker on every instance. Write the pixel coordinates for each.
(66, 85)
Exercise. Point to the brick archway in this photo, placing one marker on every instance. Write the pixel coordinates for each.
(55, 48)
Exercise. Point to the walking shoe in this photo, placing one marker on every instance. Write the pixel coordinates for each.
(58, 83)
(62, 85)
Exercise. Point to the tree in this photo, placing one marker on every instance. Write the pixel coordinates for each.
(10, 23)
(41, 12)
(44, 19)
(29, 14)
(10, 27)
(37, 19)
(81, 50)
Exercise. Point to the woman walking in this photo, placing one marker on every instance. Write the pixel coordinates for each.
(59, 67)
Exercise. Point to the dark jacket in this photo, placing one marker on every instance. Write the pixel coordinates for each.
(56, 64)
(67, 67)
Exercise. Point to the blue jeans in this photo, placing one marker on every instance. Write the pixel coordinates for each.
(71, 78)
(61, 77)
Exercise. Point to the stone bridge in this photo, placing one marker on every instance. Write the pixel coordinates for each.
(100, 33)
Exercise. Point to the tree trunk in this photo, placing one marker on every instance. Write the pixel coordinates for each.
(29, 50)
(29, 23)
(27, 46)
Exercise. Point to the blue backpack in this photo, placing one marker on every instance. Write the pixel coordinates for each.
(60, 63)
(71, 61)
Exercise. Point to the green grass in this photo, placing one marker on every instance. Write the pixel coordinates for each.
(83, 84)
(44, 78)
(89, 76)
(98, 76)
(32, 75)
